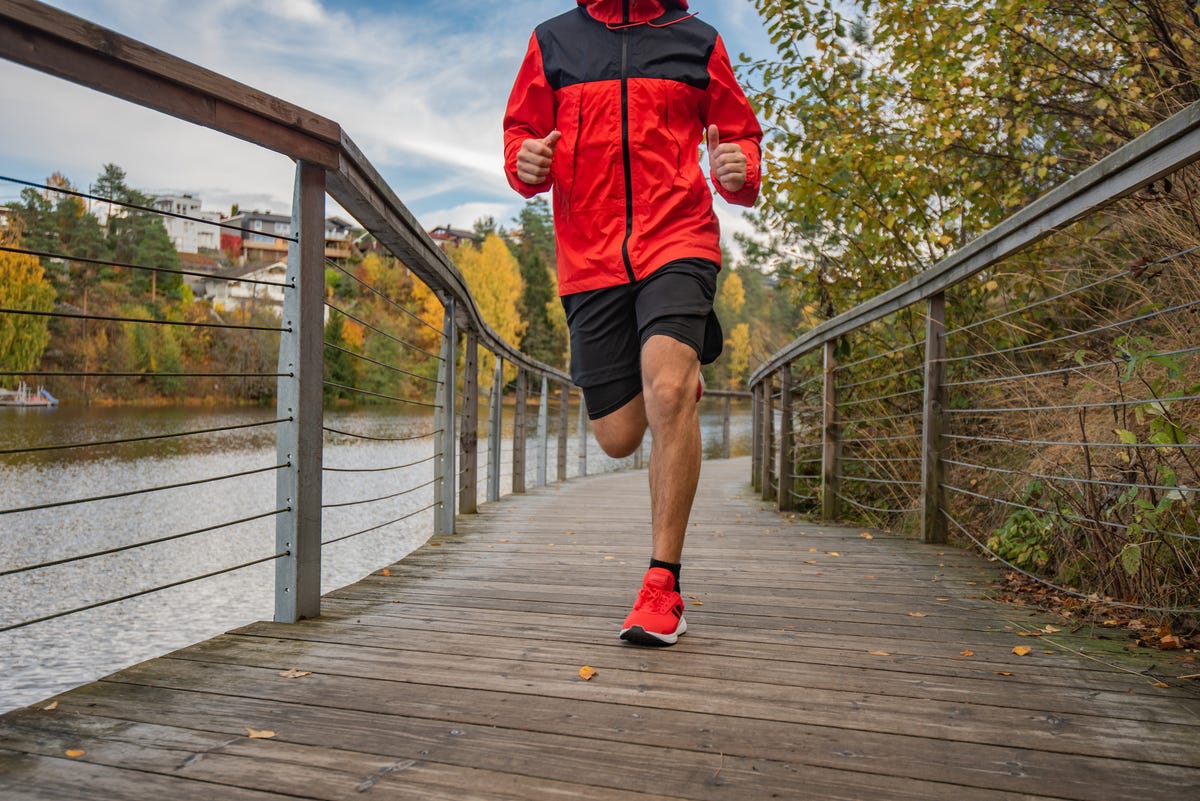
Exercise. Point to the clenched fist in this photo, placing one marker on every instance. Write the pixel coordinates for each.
(726, 162)
(533, 161)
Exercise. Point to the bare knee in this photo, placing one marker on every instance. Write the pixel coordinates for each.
(617, 443)
(670, 393)
(621, 432)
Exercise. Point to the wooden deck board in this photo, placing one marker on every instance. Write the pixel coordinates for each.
(456, 676)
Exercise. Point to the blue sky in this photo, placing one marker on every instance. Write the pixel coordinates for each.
(419, 85)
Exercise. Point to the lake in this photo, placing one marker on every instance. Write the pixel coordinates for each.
(46, 658)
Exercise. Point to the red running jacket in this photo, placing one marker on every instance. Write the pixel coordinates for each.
(632, 85)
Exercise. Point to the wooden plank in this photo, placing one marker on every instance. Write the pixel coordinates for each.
(598, 736)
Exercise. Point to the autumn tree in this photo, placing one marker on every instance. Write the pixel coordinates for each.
(494, 277)
(900, 131)
(23, 287)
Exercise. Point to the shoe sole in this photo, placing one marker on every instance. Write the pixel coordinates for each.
(639, 636)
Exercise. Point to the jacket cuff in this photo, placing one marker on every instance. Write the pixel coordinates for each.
(749, 191)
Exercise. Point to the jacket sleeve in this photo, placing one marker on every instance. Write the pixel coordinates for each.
(529, 115)
(727, 108)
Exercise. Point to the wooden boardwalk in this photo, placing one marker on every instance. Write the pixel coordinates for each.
(818, 664)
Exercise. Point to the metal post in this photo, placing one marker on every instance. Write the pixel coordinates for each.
(583, 437)
(637, 455)
(445, 468)
(564, 424)
(543, 433)
(518, 478)
(787, 443)
(831, 451)
(768, 439)
(468, 496)
(727, 413)
(495, 430)
(299, 441)
(933, 524)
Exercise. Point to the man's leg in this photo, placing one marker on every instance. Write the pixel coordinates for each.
(670, 374)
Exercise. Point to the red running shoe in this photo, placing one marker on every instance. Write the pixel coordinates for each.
(657, 616)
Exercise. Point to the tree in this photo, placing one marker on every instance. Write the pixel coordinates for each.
(494, 277)
(737, 356)
(901, 132)
(532, 243)
(23, 286)
(156, 250)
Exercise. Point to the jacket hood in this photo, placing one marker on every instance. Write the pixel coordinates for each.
(612, 11)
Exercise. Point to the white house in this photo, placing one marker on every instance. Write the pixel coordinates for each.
(190, 232)
(235, 289)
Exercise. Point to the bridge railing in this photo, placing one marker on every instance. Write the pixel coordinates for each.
(439, 359)
(1053, 419)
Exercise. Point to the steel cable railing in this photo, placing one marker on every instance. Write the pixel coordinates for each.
(1055, 429)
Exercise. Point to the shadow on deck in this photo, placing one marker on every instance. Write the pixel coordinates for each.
(818, 665)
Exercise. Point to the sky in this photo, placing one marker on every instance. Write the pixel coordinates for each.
(419, 85)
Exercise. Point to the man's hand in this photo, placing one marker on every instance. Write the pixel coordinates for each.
(533, 162)
(726, 162)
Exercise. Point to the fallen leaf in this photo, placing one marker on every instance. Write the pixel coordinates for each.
(833, 553)
(917, 614)
(878, 653)
(1170, 643)
(941, 599)
(570, 533)
(1022, 650)
(966, 653)
(1162, 684)
(1029, 634)
(385, 572)
(697, 603)
(551, 544)
(810, 562)
(504, 540)
(586, 673)
(812, 550)
(1050, 630)
(868, 577)
(50, 707)
(435, 545)
(609, 558)
(1003, 673)
(74, 753)
(866, 535)
(295, 673)
(259, 734)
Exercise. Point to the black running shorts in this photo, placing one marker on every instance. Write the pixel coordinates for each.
(609, 326)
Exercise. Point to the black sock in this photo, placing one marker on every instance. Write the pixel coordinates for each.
(674, 567)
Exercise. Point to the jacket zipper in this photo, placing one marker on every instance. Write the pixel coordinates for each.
(625, 145)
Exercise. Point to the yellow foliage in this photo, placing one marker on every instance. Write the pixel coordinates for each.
(494, 277)
(737, 358)
(733, 293)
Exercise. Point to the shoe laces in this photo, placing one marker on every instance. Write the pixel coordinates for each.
(656, 599)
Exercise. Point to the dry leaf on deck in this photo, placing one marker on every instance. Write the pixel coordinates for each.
(1029, 634)
(878, 653)
(385, 572)
(295, 673)
(833, 553)
(917, 614)
(74, 753)
(1021, 650)
(967, 653)
(587, 672)
(866, 535)
(1170, 643)
(50, 707)
(259, 734)
(1003, 673)
(1162, 684)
